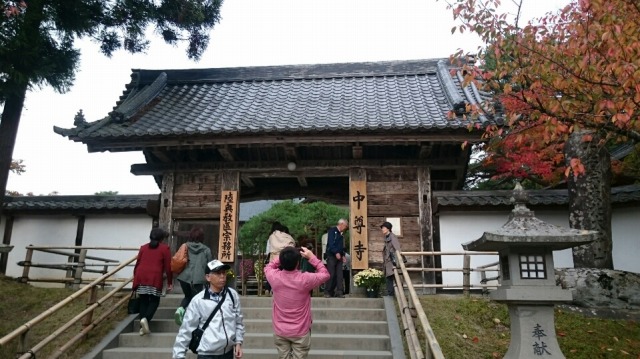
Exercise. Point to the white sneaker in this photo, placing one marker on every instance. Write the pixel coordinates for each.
(144, 326)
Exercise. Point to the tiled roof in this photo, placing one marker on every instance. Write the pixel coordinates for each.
(622, 194)
(401, 96)
(78, 203)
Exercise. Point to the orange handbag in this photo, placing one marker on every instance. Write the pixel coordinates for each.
(180, 259)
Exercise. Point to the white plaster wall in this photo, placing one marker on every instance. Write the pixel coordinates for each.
(625, 223)
(99, 231)
(40, 231)
(124, 231)
(457, 228)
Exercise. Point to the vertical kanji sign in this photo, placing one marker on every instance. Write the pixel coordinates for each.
(358, 230)
(228, 217)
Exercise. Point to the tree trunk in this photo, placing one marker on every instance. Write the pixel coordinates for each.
(8, 132)
(590, 201)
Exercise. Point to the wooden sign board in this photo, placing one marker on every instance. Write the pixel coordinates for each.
(358, 223)
(228, 225)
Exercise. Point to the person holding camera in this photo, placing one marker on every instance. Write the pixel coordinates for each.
(291, 314)
(223, 337)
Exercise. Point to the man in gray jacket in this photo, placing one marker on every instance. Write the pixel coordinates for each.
(223, 338)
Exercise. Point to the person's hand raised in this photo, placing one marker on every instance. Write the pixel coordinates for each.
(306, 253)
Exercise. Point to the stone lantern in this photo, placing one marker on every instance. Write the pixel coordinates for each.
(525, 246)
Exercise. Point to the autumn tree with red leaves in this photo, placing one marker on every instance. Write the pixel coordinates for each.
(570, 79)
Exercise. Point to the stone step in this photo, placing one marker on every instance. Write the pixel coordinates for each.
(346, 313)
(154, 353)
(173, 301)
(265, 340)
(342, 328)
(265, 326)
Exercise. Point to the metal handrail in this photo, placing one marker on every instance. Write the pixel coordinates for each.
(22, 330)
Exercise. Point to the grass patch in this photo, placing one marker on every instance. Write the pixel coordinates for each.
(477, 328)
(20, 303)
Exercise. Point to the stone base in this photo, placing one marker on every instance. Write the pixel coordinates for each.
(533, 333)
(601, 287)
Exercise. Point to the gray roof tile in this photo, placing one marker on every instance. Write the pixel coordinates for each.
(622, 194)
(398, 96)
(80, 203)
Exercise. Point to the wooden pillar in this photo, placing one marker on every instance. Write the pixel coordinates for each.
(165, 220)
(426, 225)
(78, 242)
(358, 223)
(6, 239)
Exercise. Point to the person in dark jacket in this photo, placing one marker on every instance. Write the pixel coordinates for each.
(335, 258)
(391, 245)
(154, 261)
(192, 279)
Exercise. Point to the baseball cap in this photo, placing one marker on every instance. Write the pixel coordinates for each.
(215, 266)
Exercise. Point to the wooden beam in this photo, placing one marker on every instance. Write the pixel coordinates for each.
(137, 143)
(247, 181)
(226, 153)
(336, 194)
(161, 155)
(6, 239)
(426, 224)
(357, 152)
(306, 167)
(165, 219)
(290, 152)
(425, 151)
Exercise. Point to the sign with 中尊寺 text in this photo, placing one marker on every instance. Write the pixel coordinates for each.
(358, 231)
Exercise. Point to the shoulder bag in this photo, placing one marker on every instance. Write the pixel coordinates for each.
(196, 334)
(133, 307)
(180, 259)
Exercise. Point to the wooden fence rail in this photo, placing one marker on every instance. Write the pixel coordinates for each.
(75, 266)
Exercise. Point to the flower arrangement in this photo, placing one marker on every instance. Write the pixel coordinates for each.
(370, 278)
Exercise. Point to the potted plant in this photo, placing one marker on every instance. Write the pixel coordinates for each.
(371, 280)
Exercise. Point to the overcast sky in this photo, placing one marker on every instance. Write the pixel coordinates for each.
(251, 33)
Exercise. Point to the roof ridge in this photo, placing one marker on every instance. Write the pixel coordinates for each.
(290, 72)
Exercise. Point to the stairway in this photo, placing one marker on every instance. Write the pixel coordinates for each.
(354, 328)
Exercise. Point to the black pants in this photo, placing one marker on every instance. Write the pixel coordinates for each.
(148, 306)
(335, 281)
(390, 279)
(189, 290)
(345, 276)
